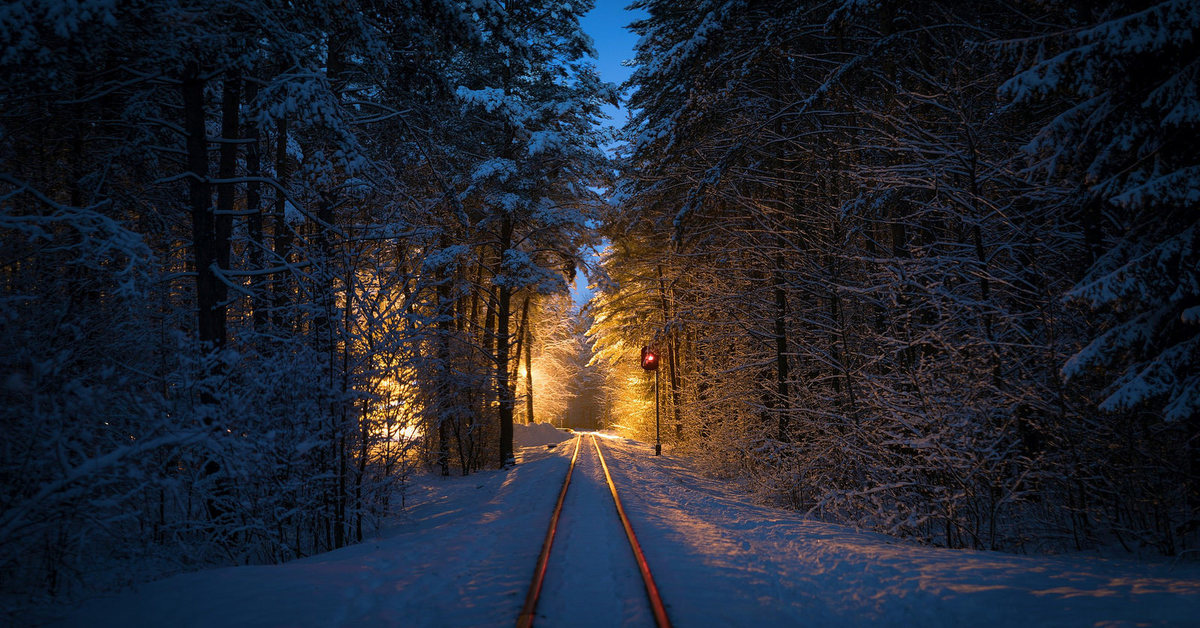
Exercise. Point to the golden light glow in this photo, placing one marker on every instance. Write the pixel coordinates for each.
(550, 393)
(401, 433)
(392, 421)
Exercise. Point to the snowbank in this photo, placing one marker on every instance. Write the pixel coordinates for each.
(463, 553)
(460, 556)
(538, 434)
(720, 560)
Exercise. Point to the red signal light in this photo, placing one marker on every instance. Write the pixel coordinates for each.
(649, 359)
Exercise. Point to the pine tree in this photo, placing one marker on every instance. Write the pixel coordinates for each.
(1126, 141)
(540, 100)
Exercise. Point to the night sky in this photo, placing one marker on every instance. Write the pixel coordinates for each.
(614, 45)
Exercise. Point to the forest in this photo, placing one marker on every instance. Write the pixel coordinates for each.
(932, 268)
(928, 268)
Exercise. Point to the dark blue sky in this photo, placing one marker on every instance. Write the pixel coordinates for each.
(614, 44)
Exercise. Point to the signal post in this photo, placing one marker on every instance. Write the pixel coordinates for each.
(650, 363)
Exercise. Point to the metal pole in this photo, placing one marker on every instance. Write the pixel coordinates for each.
(657, 443)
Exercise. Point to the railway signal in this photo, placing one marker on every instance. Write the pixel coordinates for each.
(650, 363)
(649, 359)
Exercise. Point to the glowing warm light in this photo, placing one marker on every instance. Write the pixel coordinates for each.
(649, 359)
(392, 420)
(606, 434)
(404, 433)
(550, 389)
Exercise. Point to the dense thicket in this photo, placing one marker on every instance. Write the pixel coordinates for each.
(260, 258)
(925, 267)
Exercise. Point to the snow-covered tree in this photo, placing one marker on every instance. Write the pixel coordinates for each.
(831, 198)
(1125, 141)
(214, 219)
(534, 100)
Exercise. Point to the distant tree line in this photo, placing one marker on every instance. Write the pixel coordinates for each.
(930, 268)
(260, 258)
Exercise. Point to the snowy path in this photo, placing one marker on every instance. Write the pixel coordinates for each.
(591, 565)
(467, 549)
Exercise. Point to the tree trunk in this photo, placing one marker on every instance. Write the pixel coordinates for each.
(672, 361)
(529, 374)
(985, 288)
(503, 314)
(489, 344)
(520, 346)
(443, 390)
(475, 290)
(210, 314)
(231, 100)
(210, 321)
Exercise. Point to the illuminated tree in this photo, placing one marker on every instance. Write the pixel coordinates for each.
(535, 101)
(833, 204)
(213, 297)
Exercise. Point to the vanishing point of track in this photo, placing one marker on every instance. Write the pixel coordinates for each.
(525, 619)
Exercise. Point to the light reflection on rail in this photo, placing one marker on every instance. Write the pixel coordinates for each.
(529, 610)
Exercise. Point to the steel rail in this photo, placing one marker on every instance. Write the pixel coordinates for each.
(656, 603)
(525, 619)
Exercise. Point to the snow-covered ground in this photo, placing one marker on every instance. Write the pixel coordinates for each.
(719, 560)
(465, 551)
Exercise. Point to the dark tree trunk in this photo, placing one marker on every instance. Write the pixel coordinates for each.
(210, 310)
(519, 347)
(231, 100)
(529, 374)
(210, 322)
(503, 314)
(475, 290)
(322, 326)
(985, 288)
(444, 326)
(672, 360)
(489, 348)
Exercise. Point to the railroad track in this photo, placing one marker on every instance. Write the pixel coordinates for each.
(528, 611)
